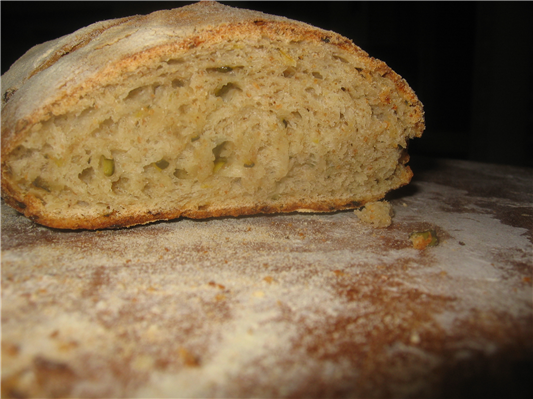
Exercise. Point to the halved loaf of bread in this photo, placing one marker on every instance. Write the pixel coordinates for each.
(200, 111)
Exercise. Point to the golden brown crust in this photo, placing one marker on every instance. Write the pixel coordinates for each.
(37, 93)
(245, 23)
(32, 210)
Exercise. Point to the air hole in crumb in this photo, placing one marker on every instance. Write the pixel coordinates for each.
(317, 75)
(174, 61)
(336, 57)
(86, 175)
(40, 183)
(21, 152)
(227, 91)
(86, 112)
(107, 122)
(177, 83)
(135, 93)
(296, 115)
(222, 152)
(289, 72)
(184, 109)
(311, 90)
(181, 174)
(143, 93)
(120, 186)
(222, 69)
(162, 164)
(148, 190)
(103, 127)
(224, 149)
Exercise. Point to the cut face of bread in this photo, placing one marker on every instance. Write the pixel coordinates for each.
(201, 111)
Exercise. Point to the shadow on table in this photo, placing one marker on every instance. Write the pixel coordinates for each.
(421, 167)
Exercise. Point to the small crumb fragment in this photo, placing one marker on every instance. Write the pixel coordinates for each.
(10, 349)
(423, 239)
(215, 285)
(188, 358)
(377, 214)
(415, 338)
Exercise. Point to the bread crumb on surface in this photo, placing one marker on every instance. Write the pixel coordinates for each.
(423, 239)
(377, 214)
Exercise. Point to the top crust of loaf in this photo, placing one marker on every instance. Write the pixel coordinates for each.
(52, 77)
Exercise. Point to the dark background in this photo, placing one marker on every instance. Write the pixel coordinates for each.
(470, 63)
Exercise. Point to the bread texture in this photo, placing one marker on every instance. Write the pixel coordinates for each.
(376, 214)
(201, 111)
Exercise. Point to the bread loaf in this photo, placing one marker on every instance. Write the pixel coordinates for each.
(200, 111)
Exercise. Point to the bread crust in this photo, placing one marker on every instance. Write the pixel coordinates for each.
(53, 76)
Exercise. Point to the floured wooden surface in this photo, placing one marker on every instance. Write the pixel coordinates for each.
(281, 306)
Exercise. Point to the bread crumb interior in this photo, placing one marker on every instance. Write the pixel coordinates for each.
(230, 125)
